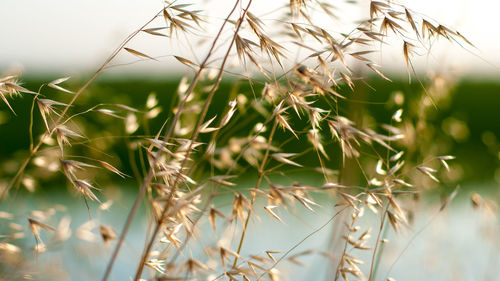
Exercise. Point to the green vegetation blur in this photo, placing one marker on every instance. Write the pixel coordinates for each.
(466, 123)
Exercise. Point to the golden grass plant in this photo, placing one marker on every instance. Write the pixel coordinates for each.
(304, 65)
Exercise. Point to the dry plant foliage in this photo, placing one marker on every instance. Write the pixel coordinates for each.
(308, 73)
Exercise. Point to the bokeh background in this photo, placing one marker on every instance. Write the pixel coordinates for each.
(45, 40)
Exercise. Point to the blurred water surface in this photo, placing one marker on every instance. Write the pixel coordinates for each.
(458, 243)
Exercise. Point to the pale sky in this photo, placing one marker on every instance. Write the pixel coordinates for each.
(76, 36)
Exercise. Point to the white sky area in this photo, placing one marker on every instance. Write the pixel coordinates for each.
(71, 37)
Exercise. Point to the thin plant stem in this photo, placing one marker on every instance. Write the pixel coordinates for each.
(377, 242)
(150, 173)
(257, 186)
(195, 135)
(380, 251)
(302, 241)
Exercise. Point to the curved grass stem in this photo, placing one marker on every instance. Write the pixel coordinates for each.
(257, 186)
(166, 208)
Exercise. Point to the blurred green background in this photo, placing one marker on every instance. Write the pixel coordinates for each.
(465, 120)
